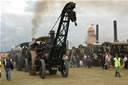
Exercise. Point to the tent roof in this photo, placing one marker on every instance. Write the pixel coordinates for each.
(45, 38)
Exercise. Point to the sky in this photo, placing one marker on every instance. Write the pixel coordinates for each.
(19, 18)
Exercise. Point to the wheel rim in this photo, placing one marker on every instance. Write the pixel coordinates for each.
(42, 69)
(64, 70)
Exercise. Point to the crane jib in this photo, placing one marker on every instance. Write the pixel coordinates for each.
(59, 44)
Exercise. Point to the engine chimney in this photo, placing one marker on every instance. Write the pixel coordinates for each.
(97, 33)
(52, 35)
(115, 31)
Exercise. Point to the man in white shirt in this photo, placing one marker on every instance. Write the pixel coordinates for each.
(126, 61)
(107, 59)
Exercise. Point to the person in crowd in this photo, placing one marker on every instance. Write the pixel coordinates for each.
(126, 61)
(95, 57)
(84, 60)
(107, 60)
(117, 65)
(78, 60)
(73, 61)
(111, 61)
(103, 61)
(89, 61)
(8, 65)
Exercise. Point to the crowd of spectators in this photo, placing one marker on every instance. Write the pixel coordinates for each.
(77, 59)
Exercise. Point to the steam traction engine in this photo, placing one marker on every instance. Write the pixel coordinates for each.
(48, 53)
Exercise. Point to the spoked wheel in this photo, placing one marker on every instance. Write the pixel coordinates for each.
(26, 65)
(52, 71)
(65, 69)
(42, 69)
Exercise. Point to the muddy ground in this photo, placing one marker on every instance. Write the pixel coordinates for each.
(77, 76)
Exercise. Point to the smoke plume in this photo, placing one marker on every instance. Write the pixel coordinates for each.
(41, 8)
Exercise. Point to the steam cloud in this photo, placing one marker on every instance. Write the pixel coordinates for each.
(41, 7)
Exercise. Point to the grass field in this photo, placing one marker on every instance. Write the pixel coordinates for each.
(77, 76)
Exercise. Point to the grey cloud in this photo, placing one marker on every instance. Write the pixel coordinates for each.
(30, 6)
(17, 29)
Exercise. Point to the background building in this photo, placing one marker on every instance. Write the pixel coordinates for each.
(91, 35)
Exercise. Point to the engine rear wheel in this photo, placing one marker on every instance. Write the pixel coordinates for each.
(42, 69)
(32, 66)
